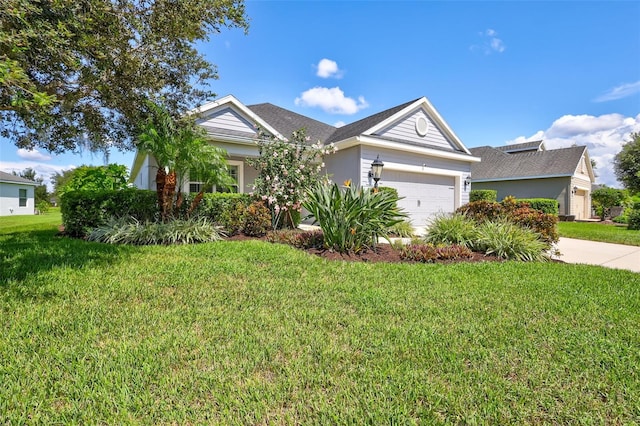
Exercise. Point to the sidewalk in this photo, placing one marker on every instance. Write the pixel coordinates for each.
(595, 253)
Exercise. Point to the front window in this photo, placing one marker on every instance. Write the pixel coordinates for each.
(22, 195)
(196, 183)
(233, 172)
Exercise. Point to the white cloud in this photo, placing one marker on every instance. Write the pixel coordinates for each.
(603, 136)
(619, 92)
(490, 44)
(43, 170)
(328, 68)
(339, 123)
(331, 100)
(33, 154)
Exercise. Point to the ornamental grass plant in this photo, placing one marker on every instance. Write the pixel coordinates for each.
(451, 229)
(510, 241)
(177, 231)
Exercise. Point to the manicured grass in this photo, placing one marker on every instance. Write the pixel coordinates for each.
(12, 224)
(258, 333)
(599, 232)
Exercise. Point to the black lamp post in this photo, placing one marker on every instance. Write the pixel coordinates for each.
(376, 170)
(467, 182)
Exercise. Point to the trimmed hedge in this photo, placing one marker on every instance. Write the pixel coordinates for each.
(545, 205)
(488, 195)
(214, 205)
(83, 211)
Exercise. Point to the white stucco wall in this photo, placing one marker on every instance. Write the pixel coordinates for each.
(10, 202)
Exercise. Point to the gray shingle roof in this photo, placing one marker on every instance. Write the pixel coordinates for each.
(8, 177)
(287, 122)
(526, 146)
(358, 127)
(499, 165)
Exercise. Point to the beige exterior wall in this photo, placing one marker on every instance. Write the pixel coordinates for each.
(581, 197)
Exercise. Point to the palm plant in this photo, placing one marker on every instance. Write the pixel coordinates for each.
(179, 145)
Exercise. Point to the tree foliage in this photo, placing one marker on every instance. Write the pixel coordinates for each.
(76, 73)
(604, 198)
(96, 178)
(627, 164)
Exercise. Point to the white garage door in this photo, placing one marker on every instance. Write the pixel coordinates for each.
(424, 195)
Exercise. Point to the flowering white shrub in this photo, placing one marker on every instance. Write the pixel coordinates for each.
(286, 169)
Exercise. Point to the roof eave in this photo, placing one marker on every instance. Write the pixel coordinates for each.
(518, 178)
(369, 141)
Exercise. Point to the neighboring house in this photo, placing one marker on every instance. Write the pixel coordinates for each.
(423, 158)
(528, 170)
(17, 195)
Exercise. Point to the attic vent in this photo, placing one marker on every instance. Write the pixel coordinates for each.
(422, 125)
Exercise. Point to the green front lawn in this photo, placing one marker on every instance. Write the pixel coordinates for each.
(255, 333)
(595, 231)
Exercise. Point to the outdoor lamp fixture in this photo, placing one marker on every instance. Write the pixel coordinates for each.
(376, 170)
(467, 182)
(575, 190)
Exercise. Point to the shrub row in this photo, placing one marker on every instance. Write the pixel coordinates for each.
(545, 205)
(514, 211)
(83, 211)
(489, 195)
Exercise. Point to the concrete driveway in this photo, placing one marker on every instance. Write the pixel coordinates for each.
(603, 254)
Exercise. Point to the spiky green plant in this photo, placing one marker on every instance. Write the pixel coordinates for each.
(352, 219)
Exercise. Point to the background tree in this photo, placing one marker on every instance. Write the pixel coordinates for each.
(41, 192)
(604, 198)
(95, 178)
(179, 147)
(75, 73)
(59, 180)
(627, 164)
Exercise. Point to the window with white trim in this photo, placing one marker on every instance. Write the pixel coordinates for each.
(22, 197)
(196, 183)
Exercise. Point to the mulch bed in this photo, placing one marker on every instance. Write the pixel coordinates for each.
(382, 253)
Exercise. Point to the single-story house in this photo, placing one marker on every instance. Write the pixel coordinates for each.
(17, 195)
(423, 158)
(529, 170)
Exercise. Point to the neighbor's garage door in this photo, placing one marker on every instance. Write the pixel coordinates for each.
(424, 195)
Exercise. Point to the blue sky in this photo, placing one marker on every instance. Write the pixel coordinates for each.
(501, 72)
